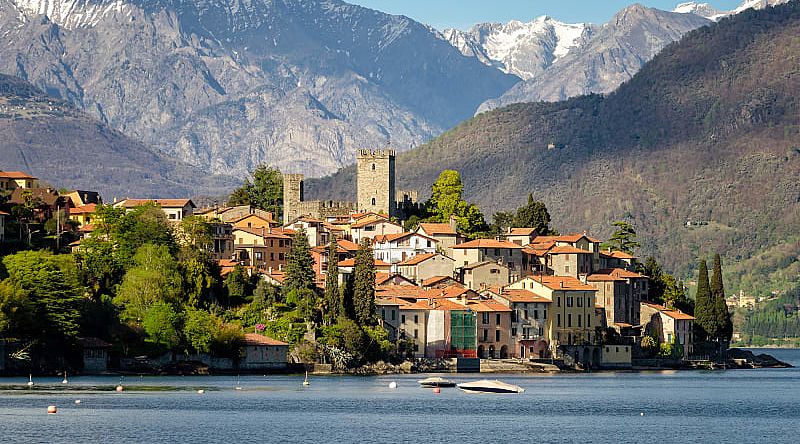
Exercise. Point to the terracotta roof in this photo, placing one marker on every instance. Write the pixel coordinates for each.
(166, 203)
(436, 279)
(434, 228)
(227, 263)
(239, 219)
(568, 249)
(562, 283)
(47, 196)
(620, 255)
(621, 273)
(674, 314)
(403, 291)
(351, 262)
(544, 239)
(521, 231)
(15, 175)
(487, 306)
(523, 296)
(382, 278)
(488, 243)
(347, 245)
(575, 237)
(369, 220)
(262, 232)
(475, 265)
(534, 251)
(452, 291)
(383, 238)
(414, 260)
(603, 278)
(257, 339)
(84, 209)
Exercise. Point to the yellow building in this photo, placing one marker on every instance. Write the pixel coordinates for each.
(11, 180)
(83, 215)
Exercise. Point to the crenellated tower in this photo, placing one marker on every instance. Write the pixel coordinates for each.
(375, 181)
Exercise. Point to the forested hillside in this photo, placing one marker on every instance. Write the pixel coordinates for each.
(708, 131)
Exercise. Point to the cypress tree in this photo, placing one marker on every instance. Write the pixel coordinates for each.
(333, 299)
(703, 308)
(364, 285)
(722, 318)
(299, 264)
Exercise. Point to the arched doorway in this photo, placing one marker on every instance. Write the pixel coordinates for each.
(491, 352)
(504, 352)
(481, 352)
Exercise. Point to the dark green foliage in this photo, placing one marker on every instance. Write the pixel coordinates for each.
(333, 296)
(154, 278)
(656, 286)
(364, 285)
(534, 215)
(777, 318)
(623, 239)
(265, 192)
(236, 285)
(446, 202)
(144, 224)
(722, 318)
(703, 304)
(299, 264)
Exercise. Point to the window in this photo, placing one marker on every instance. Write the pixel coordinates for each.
(536, 314)
(272, 256)
(558, 319)
(570, 301)
(383, 313)
(569, 319)
(402, 319)
(281, 256)
(394, 315)
(588, 321)
(497, 319)
(271, 243)
(416, 333)
(497, 252)
(416, 347)
(259, 255)
(373, 167)
(566, 269)
(558, 301)
(579, 320)
(514, 331)
(580, 302)
(485, 318)
(544, 315)
(416, 319)
(485, 335)
(511, 265)
(497, 335)
(429, 244)
(370, 227)
(373, 201)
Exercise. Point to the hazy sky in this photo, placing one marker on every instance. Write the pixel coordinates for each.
(464, 13)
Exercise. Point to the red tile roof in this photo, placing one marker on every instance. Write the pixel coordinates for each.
(364, 221)
(621, 273)
(347, 245)
(383, 238)
(351, 262)
(674, 314)
(84, 209)
(575, 237)
(434, 228)
(166, 203)
(568, 249)
(488, 243)
(414, 260)
(562, 283)
(436, 279)
(620, 255)
(402, 291)
(522, 296)
(15, 175)
(257, 339)
(487, 306)
(521, 231)
(263, 232)
(603, 278)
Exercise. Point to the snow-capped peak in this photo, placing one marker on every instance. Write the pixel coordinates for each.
(72, 13)
(708, 11)
(701, 9)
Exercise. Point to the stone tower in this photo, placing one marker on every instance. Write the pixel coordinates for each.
(292, 196)
(375, 177)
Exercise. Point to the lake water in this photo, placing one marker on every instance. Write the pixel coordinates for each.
(617, 407)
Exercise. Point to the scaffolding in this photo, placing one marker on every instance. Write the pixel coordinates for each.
(463, 332)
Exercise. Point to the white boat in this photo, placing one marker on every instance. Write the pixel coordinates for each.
(487, 386)
(305, 381)
(436, 381)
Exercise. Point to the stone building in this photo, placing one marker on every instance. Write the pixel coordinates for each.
(295, 205)
(375, 181)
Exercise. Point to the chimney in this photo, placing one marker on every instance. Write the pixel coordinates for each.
(269, 270)
(453, 223)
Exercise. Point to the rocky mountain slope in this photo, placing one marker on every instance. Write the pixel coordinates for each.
(65, 148)
(606, 58)
(705, 132)
(226, 85)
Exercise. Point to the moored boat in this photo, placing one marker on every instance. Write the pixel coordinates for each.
(436, 381)
(487, 386)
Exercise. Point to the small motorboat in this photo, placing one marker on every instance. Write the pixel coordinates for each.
(487, 386)
(436, 381)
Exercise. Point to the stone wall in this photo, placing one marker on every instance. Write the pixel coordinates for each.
(376, 176)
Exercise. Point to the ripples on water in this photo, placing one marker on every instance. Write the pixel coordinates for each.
(681, 407)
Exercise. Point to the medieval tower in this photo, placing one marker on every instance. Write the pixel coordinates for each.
(292, 196)
(375, 181)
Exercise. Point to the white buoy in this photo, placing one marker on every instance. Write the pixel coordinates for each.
(30, 380)
(305, 381)
(641, 413)
(77, 401)
(200, 392)
(120, 388)
(52, 410)
(392, 385)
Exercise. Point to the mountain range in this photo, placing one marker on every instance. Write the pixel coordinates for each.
(700, 150)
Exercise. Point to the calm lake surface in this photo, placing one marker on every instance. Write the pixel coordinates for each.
(690, 406)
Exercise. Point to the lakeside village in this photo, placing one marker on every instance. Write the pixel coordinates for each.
(384, 284)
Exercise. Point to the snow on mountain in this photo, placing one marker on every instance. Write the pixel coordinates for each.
(72, 14)
(709, 12)
(523, 49)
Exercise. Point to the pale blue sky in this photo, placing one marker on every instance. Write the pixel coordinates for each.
(464, 13)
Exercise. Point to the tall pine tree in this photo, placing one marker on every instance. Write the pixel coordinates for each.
(333, 298)
(722, 318)
(364, 285)
(299, 264)
(703, 306)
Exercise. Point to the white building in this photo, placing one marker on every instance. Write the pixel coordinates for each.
(396, 248)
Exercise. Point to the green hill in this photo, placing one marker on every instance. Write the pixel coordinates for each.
(708, 131)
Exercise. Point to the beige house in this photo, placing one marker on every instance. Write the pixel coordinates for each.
(573, 316)
(666, 324)
(614, 295)
(253, 221)
(446, 234)
(617, 259)
(262, 249)
(637, 286)
(506, 253)
(175, 209)
(11, 180)
(521, 236)
(528, 320)
(566, 260)
(316, 231)
(371, 226)
(493, 328)
(479, 275)
(424, 266)
(440, 282)
(388, 311)
(263, 353)
(413, 325)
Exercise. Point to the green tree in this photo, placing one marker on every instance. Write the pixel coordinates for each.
(199, 329)
(199, 281)
(265, 192)
(333, 301)
(656, 286)
(364, 285)
(146, 224)
(299, 264)
(16, 312)
(194, 236)
(623, 239)
(675, 294)
(54, 291)
(236, 285)
(533, 215)
(703, 306)
(722, 317)
(161, 322)
(98, 264)
(446, 195)
(502, 221)
(154, 278)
